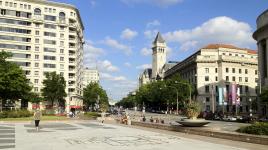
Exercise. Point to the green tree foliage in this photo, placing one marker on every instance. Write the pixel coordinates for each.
(264, 95)
(13, 82)
(159, 95)
(94, 92)
(54, 88)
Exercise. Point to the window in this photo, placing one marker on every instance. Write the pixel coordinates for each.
(61, 43)
(25, 6)
(236, 54)
(54, 10)
(240, 79)
(240, 70)
(52, 34)
(61, 35)
(37, 12)
(36, 56)
(61, 58)
(233, 70)
(15, 30)
(207, 99)
(62, 51)
(246, 71)
(49, 66)
(36, 73)
(61, 27)
(242, 55)
(246, 89)
(50, 26)
(36, 64)
(49, 57)
(50, 18)
(47, 49)
(37, 25)
(226, 70)
(207, 88)
(227, 78)
(256, 80)
(36, 48)
(21, 5)
(206, 70)
(216, 70)
(50, 10)
(230, 54)
(36, 80)
(241, 89)
(36, 40)
(256, 72)
(61, 66)
(233, 78)
(36, 89)
(45, 9)
(37, 32)
(52, 42)
(29, 7)
(246, 79)
(62, 74)
(206, 78)
(264, 57)
(3, 12)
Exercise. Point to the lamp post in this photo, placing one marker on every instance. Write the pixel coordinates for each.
(250, 110)
(177, 99)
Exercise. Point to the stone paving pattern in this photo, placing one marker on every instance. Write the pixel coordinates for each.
(85, 135)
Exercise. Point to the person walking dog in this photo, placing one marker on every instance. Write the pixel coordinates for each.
(37, 118)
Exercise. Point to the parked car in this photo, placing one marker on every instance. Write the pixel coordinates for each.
(246, 119)
(263, 119)
(230, 118)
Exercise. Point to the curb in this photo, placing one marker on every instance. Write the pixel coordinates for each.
(223, 135)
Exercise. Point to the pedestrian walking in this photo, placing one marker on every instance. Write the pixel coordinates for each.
(102, 117)
(37, 118)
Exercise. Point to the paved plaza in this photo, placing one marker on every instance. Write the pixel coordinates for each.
(84, 135)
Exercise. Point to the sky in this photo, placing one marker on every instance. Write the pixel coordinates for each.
(119, 33)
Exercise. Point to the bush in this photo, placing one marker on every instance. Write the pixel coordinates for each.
(15, 114)
(92, 115)
(258, 128)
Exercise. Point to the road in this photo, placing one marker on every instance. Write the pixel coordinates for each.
(85, 135)
(171, 119)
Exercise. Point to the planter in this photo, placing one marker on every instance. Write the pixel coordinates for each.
(193, 122)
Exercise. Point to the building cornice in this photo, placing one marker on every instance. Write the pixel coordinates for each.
(57, 4)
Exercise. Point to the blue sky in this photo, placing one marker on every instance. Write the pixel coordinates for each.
(119, 33)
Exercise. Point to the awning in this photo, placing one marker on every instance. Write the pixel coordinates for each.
(76, 107)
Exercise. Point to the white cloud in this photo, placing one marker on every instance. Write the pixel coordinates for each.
(109, 77)
(216, 30)
(150, 34)
(153, 23)
(160, 3)
(116, 45)
(106, 65)
(92, 3)
(127, 64)
(91, 54)
(128, 34)
(146, 51)
(144, 66)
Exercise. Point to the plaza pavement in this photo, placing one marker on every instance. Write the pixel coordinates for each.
(85, 135)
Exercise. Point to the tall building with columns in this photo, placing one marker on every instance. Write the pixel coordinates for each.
(261, 36)
(45, 36)
(221, 66)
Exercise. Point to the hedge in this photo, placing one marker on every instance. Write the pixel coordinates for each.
(15, 114)
(258, 128)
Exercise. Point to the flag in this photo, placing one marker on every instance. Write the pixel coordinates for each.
(233, 94)
(238, 95)
(220, 95)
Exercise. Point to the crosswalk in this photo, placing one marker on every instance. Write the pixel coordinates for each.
(7, 136)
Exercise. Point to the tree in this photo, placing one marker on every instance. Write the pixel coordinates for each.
(93, 93)
(13, 82)
(264, 95)
(54, 88)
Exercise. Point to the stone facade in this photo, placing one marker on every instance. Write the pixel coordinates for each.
(219, 65)
(45, 36)
(261, 36)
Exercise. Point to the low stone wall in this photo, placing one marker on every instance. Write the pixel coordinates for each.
(210, 133)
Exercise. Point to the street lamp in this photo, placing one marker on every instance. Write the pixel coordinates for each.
(250, 110)
(177, 100)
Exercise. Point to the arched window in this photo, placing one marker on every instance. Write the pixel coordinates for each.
(62, 15)
(37, 11)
